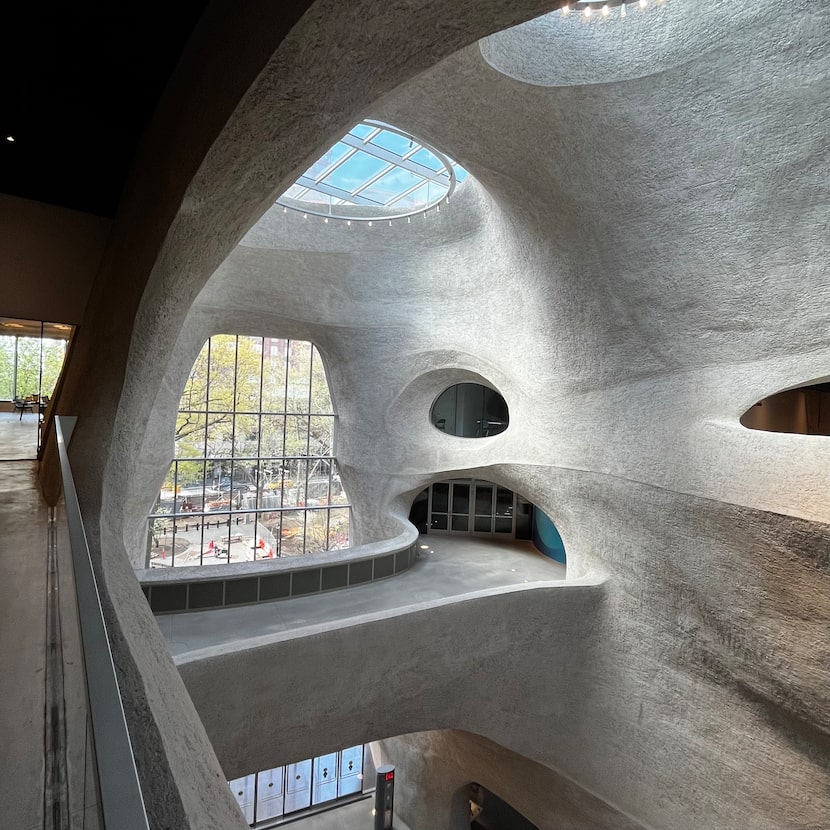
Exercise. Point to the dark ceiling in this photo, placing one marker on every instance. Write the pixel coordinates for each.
(80, 82)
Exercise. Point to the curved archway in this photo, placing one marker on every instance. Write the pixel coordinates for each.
(482, 508)
(490, 812)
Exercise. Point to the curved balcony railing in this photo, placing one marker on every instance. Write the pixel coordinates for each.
(173, 590)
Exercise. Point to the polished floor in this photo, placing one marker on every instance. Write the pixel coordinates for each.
(451, 566)
(356, 816)
(18, 436)
(24, 545)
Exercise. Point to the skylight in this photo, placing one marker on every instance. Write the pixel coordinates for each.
(374, 171)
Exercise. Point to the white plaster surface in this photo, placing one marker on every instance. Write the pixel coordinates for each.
(634, 263)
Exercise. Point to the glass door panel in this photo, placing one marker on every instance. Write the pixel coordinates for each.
(471, 507)
(505, 511)
(460, 501)
(270, 796)
(483, 502)
(351, 766)
(243, 792)
(439, 507)
(325, 778)
(298, 786)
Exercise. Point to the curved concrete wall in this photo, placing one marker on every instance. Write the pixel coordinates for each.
(644, 688)
(634, 265)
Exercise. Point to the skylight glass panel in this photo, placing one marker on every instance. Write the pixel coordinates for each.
(355, 172)
(390, 185)
(395, 142)
(362, 130)
(374, 171)
(309, 196)
(427, 193)
(327, 160)
(294, 192)
(427, 159)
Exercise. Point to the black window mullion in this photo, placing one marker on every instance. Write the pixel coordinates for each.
(259, 428)
(232, 470)
(175, 496)
(204, 453)
(308, 441)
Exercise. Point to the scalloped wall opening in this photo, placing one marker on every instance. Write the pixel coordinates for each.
(801, 411)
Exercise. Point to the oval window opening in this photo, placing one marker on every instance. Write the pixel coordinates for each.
(804, 410)
(470, 410)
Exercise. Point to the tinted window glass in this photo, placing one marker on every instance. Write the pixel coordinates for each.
(470, 410)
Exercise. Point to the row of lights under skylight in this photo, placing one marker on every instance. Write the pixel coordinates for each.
(592, 9)
(377, 221)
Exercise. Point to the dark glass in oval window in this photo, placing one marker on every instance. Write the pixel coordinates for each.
(470, 410)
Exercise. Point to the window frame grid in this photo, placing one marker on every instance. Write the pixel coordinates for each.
(227, 467)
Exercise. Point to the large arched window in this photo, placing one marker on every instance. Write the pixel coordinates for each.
(254, 474)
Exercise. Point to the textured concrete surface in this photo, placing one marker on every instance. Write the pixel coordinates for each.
(448, 761)
(22, 646)
(636, 260)
(582, 678)
(454, 568)
(24, 532)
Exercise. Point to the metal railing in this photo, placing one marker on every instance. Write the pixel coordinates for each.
(122, 803)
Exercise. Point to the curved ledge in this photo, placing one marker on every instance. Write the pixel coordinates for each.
(452, 645)
(215, 586)
(552, 51)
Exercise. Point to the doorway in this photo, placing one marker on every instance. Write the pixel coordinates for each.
(274, 793)
(470, 507)
(32, 354)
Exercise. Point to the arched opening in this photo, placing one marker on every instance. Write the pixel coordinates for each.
(476, 507)
(254, 474)
(489, 812)
(802, 411)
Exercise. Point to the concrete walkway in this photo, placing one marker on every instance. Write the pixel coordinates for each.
(451, 567)
(24, 544)
(18, 436)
